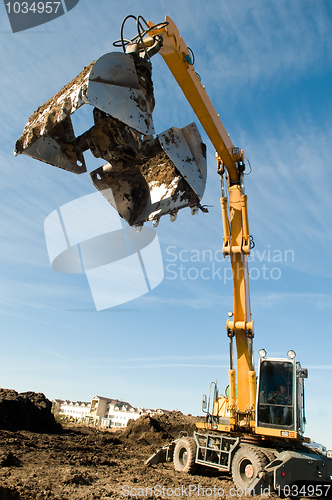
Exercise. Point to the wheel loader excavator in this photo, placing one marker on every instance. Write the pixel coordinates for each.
(256, 430)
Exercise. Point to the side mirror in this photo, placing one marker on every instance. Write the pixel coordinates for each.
(204, 404)
(303, 373)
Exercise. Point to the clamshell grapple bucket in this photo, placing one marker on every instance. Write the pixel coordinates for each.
(146, 176)
(173, 176)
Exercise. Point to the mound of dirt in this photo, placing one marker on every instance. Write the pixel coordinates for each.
(174, 422)
(159, 429)
(28, 411)
(88, 463)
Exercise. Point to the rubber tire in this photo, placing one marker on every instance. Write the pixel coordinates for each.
(247, 455)
(184, 455)
(269, 454)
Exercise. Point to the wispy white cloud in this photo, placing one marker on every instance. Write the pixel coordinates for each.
(19, 298)
(200, 303)
(298, 42)
(56, 355)
(173, 357)
(289, 193)
(320, 367)
(165, 365)
(184, 358)
(320, 300)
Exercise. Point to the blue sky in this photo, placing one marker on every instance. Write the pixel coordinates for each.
(266, 66)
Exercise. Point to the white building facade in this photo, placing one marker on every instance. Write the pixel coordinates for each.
(119, 414)
(101, 411)
(108, 412)
(72, 411)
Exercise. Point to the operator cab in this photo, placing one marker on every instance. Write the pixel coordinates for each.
(280, 394)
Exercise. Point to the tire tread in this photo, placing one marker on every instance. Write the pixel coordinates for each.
(190, 444)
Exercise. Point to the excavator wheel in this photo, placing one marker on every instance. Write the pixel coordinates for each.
(247, 464)
(269, 454)
(184, 455)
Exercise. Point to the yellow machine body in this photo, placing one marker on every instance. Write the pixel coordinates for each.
(238, 411)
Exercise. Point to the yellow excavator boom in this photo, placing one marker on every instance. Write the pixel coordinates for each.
(236, 228)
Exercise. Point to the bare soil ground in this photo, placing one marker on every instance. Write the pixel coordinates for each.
(87, 463)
